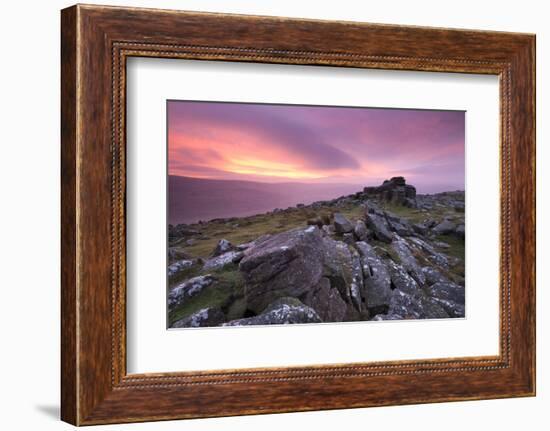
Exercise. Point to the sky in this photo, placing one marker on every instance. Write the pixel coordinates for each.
(316, 144)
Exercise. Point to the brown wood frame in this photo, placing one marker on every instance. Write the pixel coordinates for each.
(95, 43)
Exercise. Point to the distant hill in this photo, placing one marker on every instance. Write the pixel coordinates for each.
(194, 199)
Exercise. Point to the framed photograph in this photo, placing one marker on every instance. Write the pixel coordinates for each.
(324, 214)
(338, 251)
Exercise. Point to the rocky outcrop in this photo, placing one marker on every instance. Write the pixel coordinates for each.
(348, 238)
(222, 260)
(315, 221)
(401, 279)
(394, 191)
(379, 227)
(399, 225)
(432, 255)
(281, 312)
(222, 247)
(188, 289)
(433, 275)
(420, 228)
(449, 296)
(342, 224)
(446, 227)
(415, 306)
(357, 287)
(247, 245)
(408, 261)
(180, 266)
(369, 264)
(326, 301)
(201, 318)
(360, 230)
(376, 277)
(342, 267)
(175, 254)
(286, 264)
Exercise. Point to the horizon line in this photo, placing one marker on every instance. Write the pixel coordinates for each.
(259, 181)
(308, 183)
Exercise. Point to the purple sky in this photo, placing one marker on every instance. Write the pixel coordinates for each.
(282, 143)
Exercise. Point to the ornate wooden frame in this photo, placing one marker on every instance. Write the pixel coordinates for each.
(95, 43)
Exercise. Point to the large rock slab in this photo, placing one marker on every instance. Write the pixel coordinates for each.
(357, 288)
(371, 207)
(342, 224)
(181, 265)
(379, 226)
(453, 309)
(408, 261)
(398, 224)
(400, 278)
(430, 252)
(202, 318)
(376, 276)
(448, 291)
(222, 260)
(446, 227)
(415, 306)
(403, 229)
(360, 230)
(433, 275)
(188, 289)
(286, 264)
(222, 247)
(281, 312)
(326, 301)
(250, 244)
(342, 266)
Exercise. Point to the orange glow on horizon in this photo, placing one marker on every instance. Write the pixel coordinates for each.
(265, 164)
(276, 144)
(260, 167)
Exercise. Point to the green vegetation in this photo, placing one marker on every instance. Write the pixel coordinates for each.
(185, 274)
(456, 248)
(414, 215)
(229, 286)
(384, 250)
(411, 214)
(352, 212)
(237, 309)
(238, 231)
(228, 292)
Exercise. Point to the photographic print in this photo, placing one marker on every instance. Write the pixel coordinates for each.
(294, 214)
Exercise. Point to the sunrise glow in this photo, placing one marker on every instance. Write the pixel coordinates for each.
(286, 143)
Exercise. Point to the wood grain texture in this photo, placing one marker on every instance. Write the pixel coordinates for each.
(96, 41)
(69, 367)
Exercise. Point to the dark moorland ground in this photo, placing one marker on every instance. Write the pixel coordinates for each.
(384, 253)
(206, 199)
